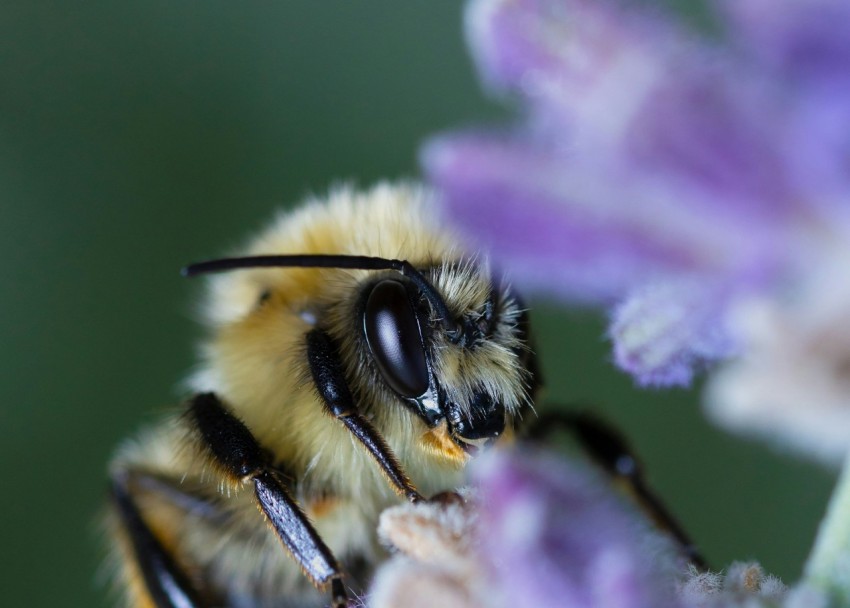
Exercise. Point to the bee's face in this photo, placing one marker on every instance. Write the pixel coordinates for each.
(436, 352)
(466, 385)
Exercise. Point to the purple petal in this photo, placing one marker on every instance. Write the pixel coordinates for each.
(804, 45)
(560, 54)
(567, 227)
(663, 332)
(515, 200)
(554, 535)
(705, 129)
(509, 38)
(599, 81)
(641, 156)
(805, 42)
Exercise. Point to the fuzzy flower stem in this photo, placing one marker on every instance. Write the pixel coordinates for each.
(828, 567)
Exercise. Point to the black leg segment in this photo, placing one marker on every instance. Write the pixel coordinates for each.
(165, 582)
(239, 456)
(333, 389)
(610, 450)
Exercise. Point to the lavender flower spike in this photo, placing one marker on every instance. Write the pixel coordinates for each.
(536, 531)
(649, 161)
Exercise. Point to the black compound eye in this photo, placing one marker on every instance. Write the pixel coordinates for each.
(395, 339)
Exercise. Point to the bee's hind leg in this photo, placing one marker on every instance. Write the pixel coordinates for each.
(608, 448)
(163, 579)
(238, 456)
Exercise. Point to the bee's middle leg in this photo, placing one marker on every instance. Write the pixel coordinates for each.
(238, 455)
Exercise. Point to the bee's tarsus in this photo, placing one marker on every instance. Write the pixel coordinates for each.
(339, 598)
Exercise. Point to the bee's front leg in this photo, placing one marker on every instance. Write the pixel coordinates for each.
(238, 456)
(330, 382)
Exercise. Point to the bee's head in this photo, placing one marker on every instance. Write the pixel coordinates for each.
(446, 340)
(463, 365)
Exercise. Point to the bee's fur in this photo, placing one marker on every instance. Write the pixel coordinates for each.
(255, 360)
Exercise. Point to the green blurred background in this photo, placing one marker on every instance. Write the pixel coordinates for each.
(137, 136)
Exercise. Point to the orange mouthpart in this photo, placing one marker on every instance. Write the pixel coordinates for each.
(439, 443)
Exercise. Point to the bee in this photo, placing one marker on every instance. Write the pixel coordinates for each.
(357, 356)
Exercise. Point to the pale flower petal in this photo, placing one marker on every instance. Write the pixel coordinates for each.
(666, 330)
(793, 381)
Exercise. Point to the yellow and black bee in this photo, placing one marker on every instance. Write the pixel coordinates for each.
(358, 355)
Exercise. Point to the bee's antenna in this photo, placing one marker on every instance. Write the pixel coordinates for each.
(358, 262)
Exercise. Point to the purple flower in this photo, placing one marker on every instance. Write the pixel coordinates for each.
(553, 534)
(656, 173)
(536, 531)
(539, 530)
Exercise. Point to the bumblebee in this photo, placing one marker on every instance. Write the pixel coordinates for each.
(357, 356)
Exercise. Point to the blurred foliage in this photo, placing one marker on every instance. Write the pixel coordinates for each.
(137, 136)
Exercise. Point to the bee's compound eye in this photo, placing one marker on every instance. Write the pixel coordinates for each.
(395, 339)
